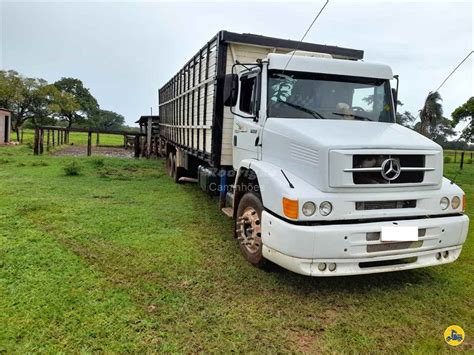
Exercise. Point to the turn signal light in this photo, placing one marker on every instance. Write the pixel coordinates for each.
(464, 202)
(290, 208)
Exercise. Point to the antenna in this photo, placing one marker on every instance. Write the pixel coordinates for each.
(302, 38)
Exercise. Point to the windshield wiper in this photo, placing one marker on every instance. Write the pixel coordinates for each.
(313, 113)
(357, 117)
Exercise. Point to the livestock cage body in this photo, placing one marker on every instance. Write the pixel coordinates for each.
(191, 104)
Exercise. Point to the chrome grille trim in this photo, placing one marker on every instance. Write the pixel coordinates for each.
(377, 169)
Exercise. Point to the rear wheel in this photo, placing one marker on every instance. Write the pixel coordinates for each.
(169, 164)
(248, 229)
(178, 172)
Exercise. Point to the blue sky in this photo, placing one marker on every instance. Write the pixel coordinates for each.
(125, 51)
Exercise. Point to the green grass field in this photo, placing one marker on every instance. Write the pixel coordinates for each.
(119, 259)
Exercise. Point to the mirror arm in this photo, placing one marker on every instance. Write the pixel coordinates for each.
(395, 99)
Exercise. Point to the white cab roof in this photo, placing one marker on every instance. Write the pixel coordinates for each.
(330, 66)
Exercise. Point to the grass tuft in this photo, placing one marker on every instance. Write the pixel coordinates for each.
(98, 162)
(72, 168)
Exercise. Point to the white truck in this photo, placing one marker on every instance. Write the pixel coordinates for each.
(304, 151)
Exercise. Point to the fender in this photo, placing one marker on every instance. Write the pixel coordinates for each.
(273, 184)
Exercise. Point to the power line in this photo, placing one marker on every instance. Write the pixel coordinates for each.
(450, 74)
(462, 61)
(302, 38)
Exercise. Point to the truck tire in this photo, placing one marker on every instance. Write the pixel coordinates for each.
(169, 164)
(177, 172)
(248, 229)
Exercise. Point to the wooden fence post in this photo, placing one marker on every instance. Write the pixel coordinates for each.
(22, 131)
(97, 140)
(47, 140)
(136, 146)
(89, 144)
(41, 137)
(58, 141)
(462, 161)
(35, 142)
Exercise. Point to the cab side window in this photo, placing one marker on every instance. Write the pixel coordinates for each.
(248, 90)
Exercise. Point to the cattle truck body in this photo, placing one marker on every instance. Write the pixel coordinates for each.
(192, 113)
(305, 153)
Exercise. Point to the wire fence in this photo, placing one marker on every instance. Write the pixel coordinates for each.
(455, 156)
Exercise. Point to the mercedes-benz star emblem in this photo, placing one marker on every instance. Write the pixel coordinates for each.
(391, 169)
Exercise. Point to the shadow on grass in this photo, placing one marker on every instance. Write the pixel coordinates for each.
(359, 283)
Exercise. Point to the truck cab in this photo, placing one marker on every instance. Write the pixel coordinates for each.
(327, 183)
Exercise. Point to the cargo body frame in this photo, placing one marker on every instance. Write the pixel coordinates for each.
(192, 113)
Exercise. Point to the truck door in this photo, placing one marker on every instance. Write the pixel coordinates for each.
(246, 128)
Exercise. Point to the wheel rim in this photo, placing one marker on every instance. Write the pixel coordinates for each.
(249, 230)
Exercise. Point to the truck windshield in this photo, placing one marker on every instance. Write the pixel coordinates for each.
(324, 96)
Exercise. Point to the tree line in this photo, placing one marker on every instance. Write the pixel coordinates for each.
(433, 124)
(34, 101)
(66, 102)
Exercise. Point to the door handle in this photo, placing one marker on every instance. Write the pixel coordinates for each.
(240, 128)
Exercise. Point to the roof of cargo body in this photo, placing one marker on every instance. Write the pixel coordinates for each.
(264, 41)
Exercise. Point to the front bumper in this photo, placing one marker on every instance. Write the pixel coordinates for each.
(356, 248)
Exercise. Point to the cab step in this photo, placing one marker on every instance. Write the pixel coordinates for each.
(228, 211)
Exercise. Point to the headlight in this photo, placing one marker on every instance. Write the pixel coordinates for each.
(325, 208)
(444, 203)
(308, 208)
(455, 202)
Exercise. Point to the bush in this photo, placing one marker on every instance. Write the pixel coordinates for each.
(469, 161)
(98, 163)
(72, 169)
(447, 160)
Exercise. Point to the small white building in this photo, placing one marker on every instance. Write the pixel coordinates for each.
(5, 126)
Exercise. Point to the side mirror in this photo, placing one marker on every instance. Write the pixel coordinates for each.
(231, 85)
(395, 99)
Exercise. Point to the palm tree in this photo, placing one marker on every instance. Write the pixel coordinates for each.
(431, 113)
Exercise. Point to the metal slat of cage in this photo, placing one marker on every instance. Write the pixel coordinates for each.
(199, 101)
(192, 105)
(188, 82)
(208, 51)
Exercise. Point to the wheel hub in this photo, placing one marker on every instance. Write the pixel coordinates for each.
(249, 230)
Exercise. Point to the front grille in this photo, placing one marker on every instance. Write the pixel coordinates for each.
(368, 169)
(373, 248)
(375, 236)
(384, 205)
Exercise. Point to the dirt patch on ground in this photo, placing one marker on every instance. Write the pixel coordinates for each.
(78, 150)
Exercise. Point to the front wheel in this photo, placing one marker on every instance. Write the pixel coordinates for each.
(248, 229)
